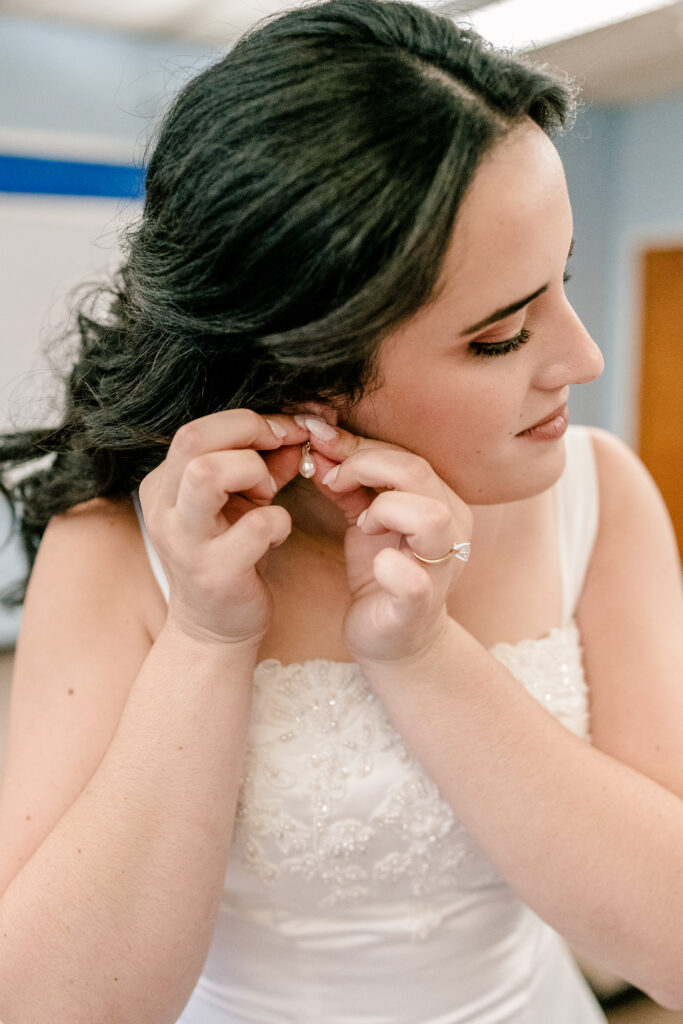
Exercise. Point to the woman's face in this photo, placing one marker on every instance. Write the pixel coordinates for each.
(462, 381)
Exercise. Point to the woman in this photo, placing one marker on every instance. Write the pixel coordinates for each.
(343, 774)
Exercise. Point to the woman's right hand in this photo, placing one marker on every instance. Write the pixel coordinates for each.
(208, 511)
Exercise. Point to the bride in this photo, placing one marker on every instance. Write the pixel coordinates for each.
(349, 676)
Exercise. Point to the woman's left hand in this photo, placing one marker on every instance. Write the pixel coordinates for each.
(398, 508)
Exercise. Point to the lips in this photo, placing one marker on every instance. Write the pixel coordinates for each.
(551, 427)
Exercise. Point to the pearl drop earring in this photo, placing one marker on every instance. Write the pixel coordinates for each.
(307, 465)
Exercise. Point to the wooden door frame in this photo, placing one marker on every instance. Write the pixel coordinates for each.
(624, 392)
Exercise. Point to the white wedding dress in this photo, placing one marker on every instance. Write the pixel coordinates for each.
(353, 895)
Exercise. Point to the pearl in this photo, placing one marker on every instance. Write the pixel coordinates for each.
(307, 465)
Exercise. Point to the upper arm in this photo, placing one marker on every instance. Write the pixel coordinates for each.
(631, 620)
(84, 635)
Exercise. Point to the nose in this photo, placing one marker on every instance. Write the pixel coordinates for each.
(571, 356)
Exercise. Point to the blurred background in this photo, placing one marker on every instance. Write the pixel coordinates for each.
(84, 82)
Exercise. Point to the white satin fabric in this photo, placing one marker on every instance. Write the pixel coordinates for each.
(353, 895)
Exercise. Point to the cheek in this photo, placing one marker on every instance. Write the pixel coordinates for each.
(437, 414)
(464, 407)
(431, 401)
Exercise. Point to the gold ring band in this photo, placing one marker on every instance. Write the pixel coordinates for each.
(460, 551)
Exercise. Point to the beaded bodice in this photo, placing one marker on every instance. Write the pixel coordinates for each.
(333, 811)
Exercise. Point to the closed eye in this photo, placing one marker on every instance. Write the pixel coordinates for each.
(499, 348)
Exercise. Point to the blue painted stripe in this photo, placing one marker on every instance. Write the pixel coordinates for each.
(70, 178)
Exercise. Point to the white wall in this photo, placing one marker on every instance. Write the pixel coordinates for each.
(66, 94)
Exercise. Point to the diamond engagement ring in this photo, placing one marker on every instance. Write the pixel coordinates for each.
(460, 551)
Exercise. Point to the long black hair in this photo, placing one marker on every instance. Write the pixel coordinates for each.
(299, 201)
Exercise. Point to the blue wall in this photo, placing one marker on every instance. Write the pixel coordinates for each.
(588, 153)
(60, 78)
(624, 168)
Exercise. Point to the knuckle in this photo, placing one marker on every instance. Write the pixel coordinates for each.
(254, 461)
(380, 504)
(260, 524)
(186, 439)
(198, 472)
(248, 420)
(418, 588)
(252, 467)
(437, 518)
(421, 469)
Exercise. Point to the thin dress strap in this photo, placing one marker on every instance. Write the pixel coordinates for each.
(154, 559)
(577, 500)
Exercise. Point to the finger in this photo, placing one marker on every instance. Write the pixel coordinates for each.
(385, 467)
(336, 442)
(350, 503)
(406, 585)
(428, 525)
(232, 429)
(208, 482)
(252, 536)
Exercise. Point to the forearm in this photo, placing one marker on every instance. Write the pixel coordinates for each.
(594, 847)
(112, 916)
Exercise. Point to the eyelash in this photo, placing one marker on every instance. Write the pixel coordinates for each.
(500, 348)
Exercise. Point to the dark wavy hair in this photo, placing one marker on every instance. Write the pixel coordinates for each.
(299, 201)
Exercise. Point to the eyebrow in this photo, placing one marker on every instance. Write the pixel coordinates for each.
(500, 314)
(514, 307)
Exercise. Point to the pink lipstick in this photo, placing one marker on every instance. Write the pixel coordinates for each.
(549, 429)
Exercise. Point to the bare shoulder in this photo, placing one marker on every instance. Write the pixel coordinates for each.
(104, 527)
(111, 520)
(630, 615)
(636, 555)
(618, 465)
(629, 497)
(91, 612)
(96, 549)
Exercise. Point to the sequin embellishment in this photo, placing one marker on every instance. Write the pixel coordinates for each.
(331, 797)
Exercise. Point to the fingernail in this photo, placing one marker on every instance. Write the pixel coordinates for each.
(278, 430)
(323, 431)
(273, 482)
(300, 421)
(330, 476)
(361, 517)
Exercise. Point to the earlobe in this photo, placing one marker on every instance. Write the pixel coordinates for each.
(319, 410)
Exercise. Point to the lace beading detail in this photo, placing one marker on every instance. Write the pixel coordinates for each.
(551, 670)
(328, 711)
(331, 797)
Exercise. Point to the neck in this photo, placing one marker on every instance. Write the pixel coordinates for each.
(313, 515)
